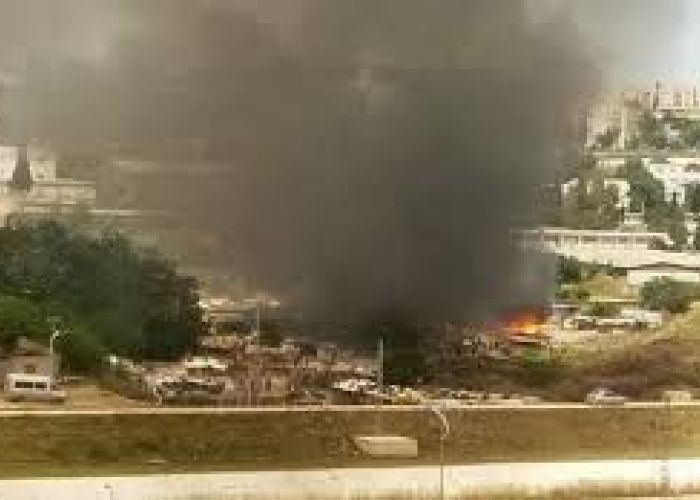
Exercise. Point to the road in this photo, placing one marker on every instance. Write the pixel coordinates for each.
(19, 410)
(359, 483)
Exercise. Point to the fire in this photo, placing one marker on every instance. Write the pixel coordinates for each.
(524, 323)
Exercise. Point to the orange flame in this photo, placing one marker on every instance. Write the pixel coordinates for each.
(528, 323)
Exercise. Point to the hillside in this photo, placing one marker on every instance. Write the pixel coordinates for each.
(648, 363)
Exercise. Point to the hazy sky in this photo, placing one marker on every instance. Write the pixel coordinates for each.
(640, 40)
(635, 40)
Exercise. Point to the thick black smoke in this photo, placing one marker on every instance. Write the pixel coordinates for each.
(380, 151)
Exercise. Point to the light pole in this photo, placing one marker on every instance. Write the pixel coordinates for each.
(55, 335)
(380, 383)
(257, 321)
(438, 411)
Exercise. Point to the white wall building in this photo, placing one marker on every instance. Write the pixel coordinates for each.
(688, 272)
(9, 155)
(625, 250)
(42, 163)
(48, 194)
(585, 243)
(676, 175)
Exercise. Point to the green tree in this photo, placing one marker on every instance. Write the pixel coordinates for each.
(569, 270)
(677, 230)
(664, 294)
(573, 293)
(689, 133)
(607, 139)
(692, 198)
(20, 317)
(646, 192)
(696, 234)
(652, 132)
(591, 205)
(130, 302)
(603, 310)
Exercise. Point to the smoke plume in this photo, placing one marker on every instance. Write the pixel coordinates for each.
(379, 152)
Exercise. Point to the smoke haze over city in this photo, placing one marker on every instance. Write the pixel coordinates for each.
(380, 152)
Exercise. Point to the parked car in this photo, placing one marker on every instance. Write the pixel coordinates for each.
(677, 396)
(26, 387)
(603, 396)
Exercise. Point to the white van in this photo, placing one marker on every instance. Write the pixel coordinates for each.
(26, 387)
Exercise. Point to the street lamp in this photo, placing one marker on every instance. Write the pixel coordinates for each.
(55, 335)
(438, 411)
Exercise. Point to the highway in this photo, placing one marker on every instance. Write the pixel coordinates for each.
(346, 484)
(19, 411)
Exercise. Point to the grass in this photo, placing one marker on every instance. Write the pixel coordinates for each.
(143, 444)
(602, 285)
(641, 365)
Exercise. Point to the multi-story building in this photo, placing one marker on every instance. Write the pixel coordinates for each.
(676, 174)
(46, 192)
(620, 111)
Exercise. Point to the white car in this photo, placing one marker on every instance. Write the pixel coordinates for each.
(605, 397)
(677, 396)
(27, 387)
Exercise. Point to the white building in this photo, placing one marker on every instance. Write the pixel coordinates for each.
(610, 164)
(676, 175)
(585, 244)
(42, 163)
(47, 193)
(625, 250)
(687, 272)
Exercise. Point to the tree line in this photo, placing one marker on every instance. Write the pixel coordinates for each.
(107, 295)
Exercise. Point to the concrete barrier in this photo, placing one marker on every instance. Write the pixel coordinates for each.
(387, 446)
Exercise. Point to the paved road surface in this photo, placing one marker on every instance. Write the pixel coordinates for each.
(353, 483)
(18, 410)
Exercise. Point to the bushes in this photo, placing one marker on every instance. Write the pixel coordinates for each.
(664, 294)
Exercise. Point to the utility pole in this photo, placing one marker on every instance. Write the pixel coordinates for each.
(380, 383)
(254, 367)
(56, 333)
(444, 432)
(257, 321)
(666, 482)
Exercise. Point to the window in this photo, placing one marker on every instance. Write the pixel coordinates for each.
(41, 386)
